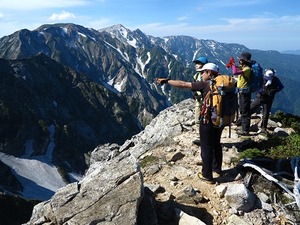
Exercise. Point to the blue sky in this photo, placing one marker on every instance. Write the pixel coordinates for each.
(257, 24)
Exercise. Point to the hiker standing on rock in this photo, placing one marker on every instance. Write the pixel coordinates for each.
(210, 135)
(199, 63)
(242, 73)
(266, 95)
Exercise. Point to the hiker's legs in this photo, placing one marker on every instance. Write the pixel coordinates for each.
(245, 101)
(218, 153)
(206, 138)
(266, 111)
(255, 104)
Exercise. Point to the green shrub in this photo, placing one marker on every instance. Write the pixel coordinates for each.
(287, 120)
(252, 153)
(290, 148)
(275, 148)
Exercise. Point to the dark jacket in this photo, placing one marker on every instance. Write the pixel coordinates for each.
(270, 90)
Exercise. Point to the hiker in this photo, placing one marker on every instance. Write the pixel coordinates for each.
(199, 62)
(210, 136)
(242, 74)
(266, 95)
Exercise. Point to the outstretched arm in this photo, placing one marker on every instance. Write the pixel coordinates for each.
(180, 84)
(175, 83)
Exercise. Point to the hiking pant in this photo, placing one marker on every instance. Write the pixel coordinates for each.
(244, 104)
(266, 102)
(197, 111)
(211, 149)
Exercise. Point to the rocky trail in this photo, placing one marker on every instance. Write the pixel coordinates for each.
(171, 173)
(152, 180)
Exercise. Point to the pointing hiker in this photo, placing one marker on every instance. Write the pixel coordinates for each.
(199, 63)
(266, 95)
(242, 74)
(210, 136)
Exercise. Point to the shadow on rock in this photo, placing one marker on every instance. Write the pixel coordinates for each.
(153, 212)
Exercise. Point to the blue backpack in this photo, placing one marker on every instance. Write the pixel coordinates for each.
(256, 77)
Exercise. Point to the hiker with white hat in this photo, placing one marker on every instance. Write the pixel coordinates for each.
(210, 136)
(266, 95)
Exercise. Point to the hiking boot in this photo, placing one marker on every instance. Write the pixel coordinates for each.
(206, 180)
(197, 142)
(242, 132)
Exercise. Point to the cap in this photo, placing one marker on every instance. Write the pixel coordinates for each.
(269, 74)
(246, 56)
(203, 60)
(210, 66)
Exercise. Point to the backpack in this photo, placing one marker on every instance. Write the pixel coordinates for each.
(256, 77)
(220, 103)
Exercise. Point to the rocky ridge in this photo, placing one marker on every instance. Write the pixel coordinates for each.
(152, 179)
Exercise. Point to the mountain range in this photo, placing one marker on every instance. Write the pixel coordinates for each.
(97, 86)
(296, 52)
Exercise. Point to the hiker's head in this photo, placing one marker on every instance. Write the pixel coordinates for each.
(209, 71)
(269, 74)
(245, 58)
(200, 62)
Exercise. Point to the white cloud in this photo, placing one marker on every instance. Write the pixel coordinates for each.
(182, 18)
(63, 15)
(1, 15)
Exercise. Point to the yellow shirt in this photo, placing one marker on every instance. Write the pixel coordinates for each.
(243, 79)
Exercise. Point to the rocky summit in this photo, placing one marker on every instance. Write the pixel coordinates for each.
(152, 180)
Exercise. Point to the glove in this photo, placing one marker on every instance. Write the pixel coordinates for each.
(162, 80)
(230, 63)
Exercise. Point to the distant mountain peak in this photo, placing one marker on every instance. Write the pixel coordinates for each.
(134, 38)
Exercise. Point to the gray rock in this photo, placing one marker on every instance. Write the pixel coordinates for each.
(107, 194)
(239, 197)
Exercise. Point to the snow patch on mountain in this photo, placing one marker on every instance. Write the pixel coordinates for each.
(38, 176)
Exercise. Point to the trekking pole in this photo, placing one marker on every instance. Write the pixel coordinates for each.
(229, 131)
(237, 107)
(222, 93)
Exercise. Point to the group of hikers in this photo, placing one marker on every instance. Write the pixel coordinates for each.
(210, 134)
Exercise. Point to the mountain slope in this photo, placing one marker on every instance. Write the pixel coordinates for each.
(185, 49)
(127, 61)
(100, 57)
(38, 93)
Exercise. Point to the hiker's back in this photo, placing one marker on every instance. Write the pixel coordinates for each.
(221, 102)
